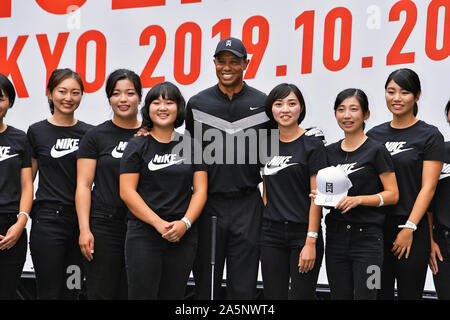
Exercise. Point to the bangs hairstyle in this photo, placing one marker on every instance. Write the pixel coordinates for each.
(122, 74)
(58, 76)
(358, 94)
(408, 80)
(281, 91)
(168, 91)
(7, 88)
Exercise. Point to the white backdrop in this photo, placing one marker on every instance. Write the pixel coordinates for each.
(322, 46)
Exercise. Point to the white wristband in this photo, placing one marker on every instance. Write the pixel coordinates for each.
(313, 235)
(187, 222)
(408, 224)
(381, 200)
(24, 213)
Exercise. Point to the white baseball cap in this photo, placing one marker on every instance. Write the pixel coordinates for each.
(332, 185)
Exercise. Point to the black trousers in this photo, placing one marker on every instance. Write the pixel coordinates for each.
(55, 252)
(239, 220)
(281, 245)
(442, 278)
(11, 260)
(410, 273)
(156, 268)
(106, 274)
(353, 254)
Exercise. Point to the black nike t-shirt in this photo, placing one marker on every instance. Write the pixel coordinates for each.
(441, 203)
(231, 166)
(287, 179)
(409, 147)
(165, 173)
(15, 154)
(106, 144)
(363, 167)
(55, 149)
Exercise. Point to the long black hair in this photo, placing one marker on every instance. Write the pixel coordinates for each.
(447, 108)
(408, 80)
(358, 94)
(58, 76)
(121, 74)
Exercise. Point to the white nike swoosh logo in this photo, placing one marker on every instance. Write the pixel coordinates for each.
(400, 151)
(271, 171)
(8, 157)
(254, 108)
(444, 175)
(58, 154)
(116, 154)
(354, 170)
(153, 166)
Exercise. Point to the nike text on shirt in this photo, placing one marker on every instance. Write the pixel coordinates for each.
(64, 146)
(4, 153)
(118, 150)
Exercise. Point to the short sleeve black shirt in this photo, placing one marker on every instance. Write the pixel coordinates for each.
(106, 144)
(363, 167)
(287, 179)
(165, 176)
(441, 202)
(409, 147)
(15, 154)
(55, 149)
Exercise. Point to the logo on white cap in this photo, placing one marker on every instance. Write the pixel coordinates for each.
(332, 185)
(329, 187)
(228, 43)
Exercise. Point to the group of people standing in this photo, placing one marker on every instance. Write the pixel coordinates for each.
(136, 216)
